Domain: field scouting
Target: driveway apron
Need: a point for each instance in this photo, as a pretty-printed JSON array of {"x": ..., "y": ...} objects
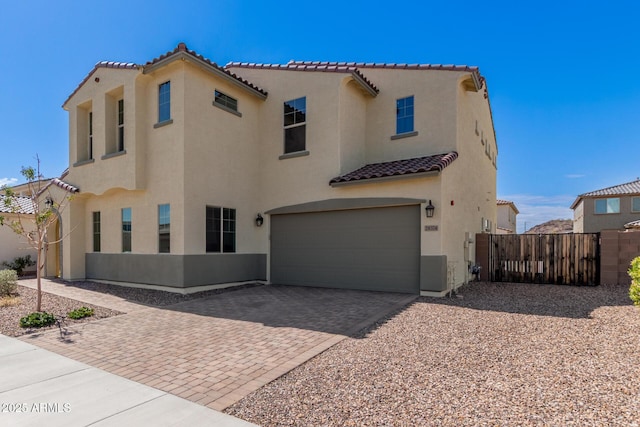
[{"x": 217, "y": 350}]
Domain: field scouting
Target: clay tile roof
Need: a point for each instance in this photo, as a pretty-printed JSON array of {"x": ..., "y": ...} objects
[
  {"x": 68, "y": 187},
  {"x": 632, "y": 224},
  {"x": 632, "y": 187},
  {"x": 21, "y": 205},
  {"x": 335, "y": 67},
  {"x": 500, "y": 202},
  {"x": 398, "y": 168},
  {"x": 182, "y": 48}
]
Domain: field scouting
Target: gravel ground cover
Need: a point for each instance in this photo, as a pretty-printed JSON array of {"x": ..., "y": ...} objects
[
  {"x": 500, "y": 354},
  {"x": 59, "y": 306}
]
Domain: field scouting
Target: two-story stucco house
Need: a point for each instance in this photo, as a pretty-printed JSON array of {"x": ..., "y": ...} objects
[
  {"x": 507, "y": 217},
  {"x": 609, "y": 208},
  {"x": 361, "y": 176}
]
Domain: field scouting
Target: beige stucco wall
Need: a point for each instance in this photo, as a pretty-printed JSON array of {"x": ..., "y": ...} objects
[
  {"x": 578, "y": 217},
  {"x": 506, "y": 219},
  {"x": 14, "y": 245}
]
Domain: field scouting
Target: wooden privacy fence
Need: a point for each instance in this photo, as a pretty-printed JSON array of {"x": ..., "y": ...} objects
[{"x": 563, "y": 259}]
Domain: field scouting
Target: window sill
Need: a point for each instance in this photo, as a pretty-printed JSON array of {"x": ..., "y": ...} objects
[
  {"x": 116, "y": 154},
  {"x": 160, "y": 124},
  {"x": 404, "y": 135},
  {"x": 294, "y": 154},
  {"x": 83, "y": 162},
  {"x": 227, "y": 109}
]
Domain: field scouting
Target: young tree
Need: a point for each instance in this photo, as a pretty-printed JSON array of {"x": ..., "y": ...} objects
[{"x": 33, "y": 215}]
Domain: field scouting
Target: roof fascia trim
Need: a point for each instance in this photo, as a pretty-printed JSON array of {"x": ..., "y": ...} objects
[{"x": 206, "y": 67}]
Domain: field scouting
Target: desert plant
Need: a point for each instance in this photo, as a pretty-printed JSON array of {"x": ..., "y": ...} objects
[
  {"x": 37, "y": 320},
  {"x": 20, "y": 263},
  {"x": 634, "y": 273},
  {"x": 81, "y": 312},
  {"x": 8, "y": 282}
]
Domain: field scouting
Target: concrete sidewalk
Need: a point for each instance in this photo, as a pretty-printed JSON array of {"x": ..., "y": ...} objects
[{"x": 38, "y": 387}]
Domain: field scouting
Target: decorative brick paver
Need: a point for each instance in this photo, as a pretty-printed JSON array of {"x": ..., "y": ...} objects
[{"x": 216, "y": 350}]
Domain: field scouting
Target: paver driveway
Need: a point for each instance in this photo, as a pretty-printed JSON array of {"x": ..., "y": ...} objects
[{"x": 216, "y": 350}]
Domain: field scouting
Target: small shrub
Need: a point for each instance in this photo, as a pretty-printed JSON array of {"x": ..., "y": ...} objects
[
  {"x": 80, "y": 313},
  {"x": 19, "y": 264},
  {"x": 9, "y": 301},
  {"x": 634, "y": 273},
  {"x": 8, "y": 282},
  {"x": 37, "y": 320}
]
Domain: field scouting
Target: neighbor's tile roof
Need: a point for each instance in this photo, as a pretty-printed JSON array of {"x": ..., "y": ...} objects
[
  {"x": 308, "y": 66},
  {"x": 23, "y": 205},
  {"x": 507, "y": 203},
  {"x": 398, "y": 168},
  {"x": 632, "y": 187},
  {"x": 628, "y": 188},
  {"x": 633, "y": 224}
]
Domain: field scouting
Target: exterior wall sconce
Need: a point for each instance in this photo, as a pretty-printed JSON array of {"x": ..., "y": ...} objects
[
  {"x": 429, "y": 210},
  {"x": 259, "y": 220},
  {"x": 48, "y": 202}
]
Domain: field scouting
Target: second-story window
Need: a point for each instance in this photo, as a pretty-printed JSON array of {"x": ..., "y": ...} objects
[
  {"x": 121, "y": 125},
  {"x": 90, "y": 139},
  {"x": 226, "y": 101},
  {"x": 164, "y": 102},
  {"x": 404, "y": 115},
  {"x": 295, "y": 119},
  {"x": 608, "y": 206}
]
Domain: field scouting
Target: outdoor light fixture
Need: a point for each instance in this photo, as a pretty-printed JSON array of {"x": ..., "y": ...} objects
[
  {"x": 430, "y": 209},
  {"x": 259, "y": 220},
  {"x": 48, "y": 202}
]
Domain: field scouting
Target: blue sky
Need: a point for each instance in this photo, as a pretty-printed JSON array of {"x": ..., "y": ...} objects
[{"x": 563, "y": 76}]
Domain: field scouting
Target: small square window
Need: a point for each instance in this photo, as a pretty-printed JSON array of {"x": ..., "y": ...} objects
[
  {"x": 635, "y": 204},
  {"x": 226, "y": 101}
]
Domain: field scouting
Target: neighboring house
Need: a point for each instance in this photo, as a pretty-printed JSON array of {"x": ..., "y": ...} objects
[
  {"x": 49, "y": 191},
  {"x": 607, "y": 209},
  {"x": 507, "y": 217},
  {"x": 307, "y": 173},
  {"x": 13, "y": 245}
]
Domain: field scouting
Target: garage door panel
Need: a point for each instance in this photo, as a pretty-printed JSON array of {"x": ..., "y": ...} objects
[{"x": 374, "y": 249}]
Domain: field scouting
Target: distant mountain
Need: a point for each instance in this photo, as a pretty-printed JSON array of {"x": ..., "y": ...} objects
[{"x": 555, "y": 226}]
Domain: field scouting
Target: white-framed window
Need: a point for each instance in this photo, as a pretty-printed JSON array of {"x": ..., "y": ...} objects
[
  {"x": 295, "y": 119},
  {"x": 607, "y": 206}
]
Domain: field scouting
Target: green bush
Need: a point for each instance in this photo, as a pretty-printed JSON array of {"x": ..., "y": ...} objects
[
  {"x": 19, "y": 264},
  {"x": 80, "y": 313},
  {"x": 37, "y": 320},
  {"x": 634, "y": 273},
  {"x": 8, "y": 282}
]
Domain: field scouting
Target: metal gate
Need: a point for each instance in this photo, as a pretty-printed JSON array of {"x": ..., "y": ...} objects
[{"x": 563, "y": 259}]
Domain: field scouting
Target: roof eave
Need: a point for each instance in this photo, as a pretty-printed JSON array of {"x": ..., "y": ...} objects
[
  {"x": 367, "y": 87},
  {"x": 185, "y": 56},
  {"x": 385, "y": 178}
]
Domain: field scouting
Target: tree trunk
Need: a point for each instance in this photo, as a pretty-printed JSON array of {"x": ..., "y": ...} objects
[{"x": 39, "y": 265}]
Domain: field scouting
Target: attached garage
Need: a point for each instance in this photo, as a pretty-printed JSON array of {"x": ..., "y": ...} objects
[{"x": 365, "y": 248}]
